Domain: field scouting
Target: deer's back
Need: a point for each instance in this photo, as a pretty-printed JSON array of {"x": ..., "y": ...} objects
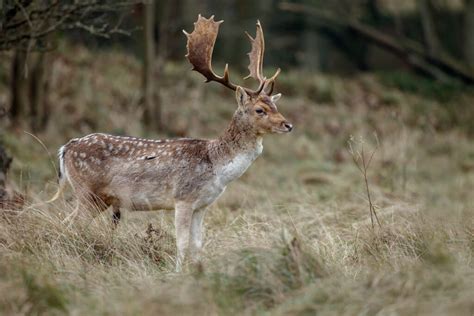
[{"x": 141, "y": 172}]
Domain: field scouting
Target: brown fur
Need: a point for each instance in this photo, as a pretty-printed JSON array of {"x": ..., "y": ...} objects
[{"x": 184, "y": 174}]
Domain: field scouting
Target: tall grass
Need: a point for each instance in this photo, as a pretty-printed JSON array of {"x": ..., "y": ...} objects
[
  {"x": 298, "y": 263},
  {"x": 292, "y": 236}
]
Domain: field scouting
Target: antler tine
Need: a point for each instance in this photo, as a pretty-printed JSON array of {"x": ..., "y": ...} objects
[
  {"x": 200, "y": 47},
  {"x": 272, "y": 81}
]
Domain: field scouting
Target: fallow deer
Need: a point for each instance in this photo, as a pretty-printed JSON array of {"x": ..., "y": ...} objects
[{"x": 185, "y": 174}]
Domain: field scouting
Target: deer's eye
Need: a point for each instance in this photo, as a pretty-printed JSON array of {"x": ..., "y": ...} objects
[{"x": 260, "y": 111}]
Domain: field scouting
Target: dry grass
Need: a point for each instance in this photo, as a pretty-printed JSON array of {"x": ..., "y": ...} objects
[{"x": 293, "y": 236}]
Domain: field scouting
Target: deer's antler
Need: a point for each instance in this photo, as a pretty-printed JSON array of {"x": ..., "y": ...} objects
[
  {"x": 201, "y": 45},
  {"x": 256, "y": 55},
  {"x": 256, "y": 59}
]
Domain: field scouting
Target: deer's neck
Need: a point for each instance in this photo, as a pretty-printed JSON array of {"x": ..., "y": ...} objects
[
  {"x": 238, "y": 138},
  {"x": 235, "y": 150}
]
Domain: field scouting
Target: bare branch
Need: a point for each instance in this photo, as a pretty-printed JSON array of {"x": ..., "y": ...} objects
[{"x": 28, "y": 21}]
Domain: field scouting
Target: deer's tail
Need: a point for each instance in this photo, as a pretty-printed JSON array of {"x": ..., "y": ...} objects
[{"x": 62, "y": 175}]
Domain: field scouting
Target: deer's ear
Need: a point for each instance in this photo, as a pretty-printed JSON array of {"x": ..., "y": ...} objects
[
  {"x": 241, "y": 96},
  {"x": 276, "y": 97}
]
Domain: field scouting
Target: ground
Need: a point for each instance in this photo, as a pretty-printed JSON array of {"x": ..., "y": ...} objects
[{"x": 293, "y": 236}]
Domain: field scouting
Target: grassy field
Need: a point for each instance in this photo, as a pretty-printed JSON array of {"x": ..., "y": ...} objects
[{"x": 293, "y": 236}]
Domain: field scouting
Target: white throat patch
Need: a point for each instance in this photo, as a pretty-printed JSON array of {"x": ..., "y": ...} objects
[{"x": 239, "y": 164}]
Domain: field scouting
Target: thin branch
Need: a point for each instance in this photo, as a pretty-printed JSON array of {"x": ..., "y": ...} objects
[
  {"x": 48, "y": 18},
  {"x": 23, "y": 10}
]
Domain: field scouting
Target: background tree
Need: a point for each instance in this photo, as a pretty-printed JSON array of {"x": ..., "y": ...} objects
[
  {"x": 469, "y": 33},
  {"x": 426, "y": 8},
  {"x": 429, "y": 60},
  {"x": 26, "y": 26},
  {"x": 5, "y": 162},
  {"x": 151, "y": 101}
]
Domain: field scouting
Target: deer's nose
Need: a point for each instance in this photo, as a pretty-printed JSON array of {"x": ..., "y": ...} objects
[{"x": 288, "y": 126}]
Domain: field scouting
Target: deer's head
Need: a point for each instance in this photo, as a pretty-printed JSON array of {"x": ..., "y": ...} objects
[{"x": 256, "y": 108}]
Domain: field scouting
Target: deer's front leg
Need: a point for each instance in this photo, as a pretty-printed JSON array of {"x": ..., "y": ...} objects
[
  {"x": 197, "y": 233},
  {"x": 182, "y": 221}
]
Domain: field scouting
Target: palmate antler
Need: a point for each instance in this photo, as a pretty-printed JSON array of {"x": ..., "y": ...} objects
[
  {"x": 201, "y": 45},
  {"x": 256, "y": 59}
]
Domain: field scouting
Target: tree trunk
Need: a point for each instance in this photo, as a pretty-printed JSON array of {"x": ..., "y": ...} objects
[
  {"x": 469, "y": 33},
  {"x": 311, "y": 47},
  {"x": 429, "y": 28},
  {"x": 5, "y": 162},
  {"x": 152, "y": 108},
  {"x": 18, "y": 86},
  {"x": 37, "y": 93},
  {"x": 8, "y": 199}
]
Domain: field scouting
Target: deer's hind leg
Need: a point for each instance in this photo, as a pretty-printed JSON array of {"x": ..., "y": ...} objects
[
  {"x": 103, "y": 202},
  {"x": 92, "y": 203},
  {"x": 97, "y": 204},
  {"x": 85, "y": 201}
]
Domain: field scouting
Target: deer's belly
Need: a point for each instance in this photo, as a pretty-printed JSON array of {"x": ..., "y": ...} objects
[
  {"x": 144, "y": 196},
  {"x": 150, "y": 203}
]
